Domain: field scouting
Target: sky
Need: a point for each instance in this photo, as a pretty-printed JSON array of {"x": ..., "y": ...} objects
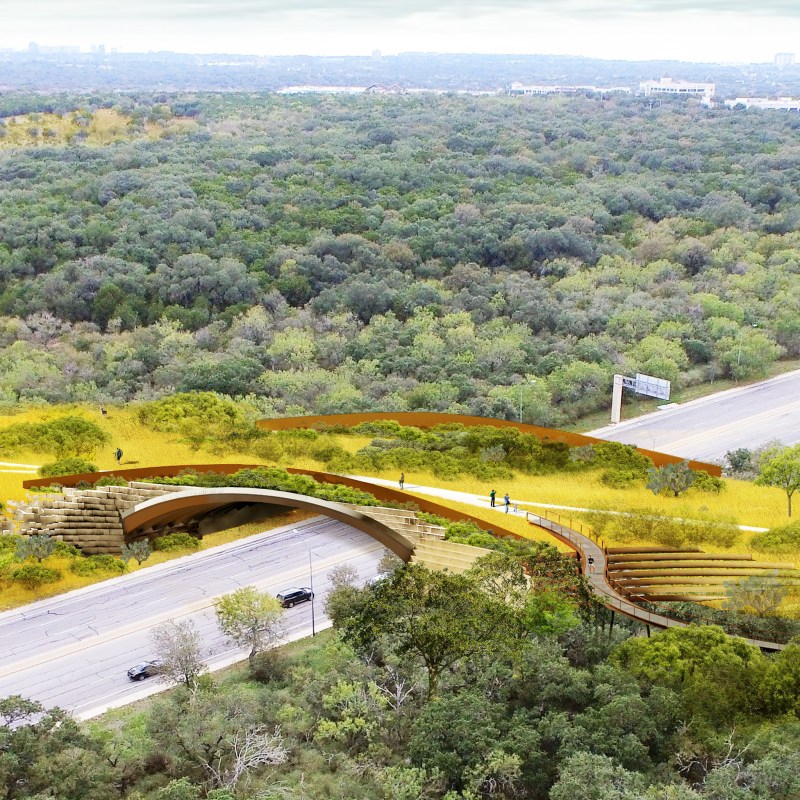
[{"x": 687, "y": 30}]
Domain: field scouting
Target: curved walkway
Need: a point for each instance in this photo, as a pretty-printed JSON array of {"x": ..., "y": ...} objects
[
  {"x": 583, "y": 545},
  {"x": 596, "y": 574}
]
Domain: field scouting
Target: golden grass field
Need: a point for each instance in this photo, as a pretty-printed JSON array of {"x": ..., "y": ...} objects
[
  {"x": 741, "y": 502},
  {"x": 100, "y": 127}
]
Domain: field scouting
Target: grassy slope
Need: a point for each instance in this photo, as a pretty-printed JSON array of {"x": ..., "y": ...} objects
[{"x": 741, "y": 502}]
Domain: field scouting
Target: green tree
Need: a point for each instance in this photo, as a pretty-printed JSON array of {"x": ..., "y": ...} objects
[
  {"x": 781, "y": 467},
  {"x": 39, "y": 546},
  {"x": 756, "y": 594},
  {"x": 250, "y": 618},
  {"x": 138, "y": 550},
  {"x": 216, "y": 740},
  {"x": 675, "y": 478},
  {"x": 438, "y": 618},
  {"x": 715, "y": 675}
]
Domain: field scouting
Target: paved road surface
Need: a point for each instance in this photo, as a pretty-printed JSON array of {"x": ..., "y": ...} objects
[
  {"x": 74, "y": 650},
  {"x": 707, "y": 428}
]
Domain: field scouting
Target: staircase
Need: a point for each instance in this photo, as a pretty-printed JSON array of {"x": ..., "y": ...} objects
[
  {"x": 446, "y": 556},
  {"x": 404, "y": 522}
]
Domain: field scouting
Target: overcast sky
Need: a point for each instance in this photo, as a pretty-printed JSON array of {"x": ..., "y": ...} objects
[{"x": 690, "y": 30}]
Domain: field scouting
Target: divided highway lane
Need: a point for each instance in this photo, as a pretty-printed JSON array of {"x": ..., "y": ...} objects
[
  {"x": 73, "y": 651},
  {"x": 707, "y": 428}
]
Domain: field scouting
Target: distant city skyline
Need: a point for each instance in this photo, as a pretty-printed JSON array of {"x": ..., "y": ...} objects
[{"x": 700, "y": 31}]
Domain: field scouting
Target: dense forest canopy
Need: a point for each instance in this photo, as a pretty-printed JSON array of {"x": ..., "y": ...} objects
[{"x": 492, "y": 255}]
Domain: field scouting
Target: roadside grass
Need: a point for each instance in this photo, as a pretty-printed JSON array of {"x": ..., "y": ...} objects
[
  {"x": 13, "y": 595},
  {"x": 740, "y": 503}
]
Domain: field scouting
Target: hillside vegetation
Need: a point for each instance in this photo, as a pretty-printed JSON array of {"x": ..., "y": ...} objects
[{"x": 494, "y": 255}]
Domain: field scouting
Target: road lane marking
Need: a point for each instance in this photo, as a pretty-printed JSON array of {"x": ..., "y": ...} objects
[{"x": 176, "y": 613}]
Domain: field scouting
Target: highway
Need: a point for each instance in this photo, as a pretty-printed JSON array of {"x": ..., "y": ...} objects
[
  {"x": 74, "y": 650},
  {"x": 707, "y": 428}
]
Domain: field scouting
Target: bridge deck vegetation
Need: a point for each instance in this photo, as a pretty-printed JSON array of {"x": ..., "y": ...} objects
[{"x": 166, "y": 432}]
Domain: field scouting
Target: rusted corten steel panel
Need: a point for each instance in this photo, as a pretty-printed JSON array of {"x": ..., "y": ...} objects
[
  {"x": 380, "y": 492},
  {"x": 426, "y": 419},
  {"x": 138, "y": 474}
]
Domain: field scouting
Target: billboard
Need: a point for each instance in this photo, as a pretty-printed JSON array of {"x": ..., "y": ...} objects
[{"x": 650, "y": 386}]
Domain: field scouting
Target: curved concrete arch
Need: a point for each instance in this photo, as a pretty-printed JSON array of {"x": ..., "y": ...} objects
[{"x": 193, "y": 503}]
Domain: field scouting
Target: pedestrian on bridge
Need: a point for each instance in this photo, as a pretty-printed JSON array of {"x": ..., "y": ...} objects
[
  {"x": 507, "y": 501},
  {"x": 492, "y": 496}
]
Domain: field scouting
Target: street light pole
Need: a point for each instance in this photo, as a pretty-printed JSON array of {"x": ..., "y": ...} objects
[
  {"x": 521, "y": 396},
  {"x": 311, "y": 586}
]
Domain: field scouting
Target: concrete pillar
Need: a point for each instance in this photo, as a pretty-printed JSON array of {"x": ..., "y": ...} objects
[{"x": 616, "y": 400}]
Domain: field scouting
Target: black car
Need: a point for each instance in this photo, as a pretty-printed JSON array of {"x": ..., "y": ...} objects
[
  {"x": 144, "y": 670},
  {"x": 291, "y": 597}
]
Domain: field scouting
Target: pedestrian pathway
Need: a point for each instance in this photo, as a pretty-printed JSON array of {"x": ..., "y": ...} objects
[
  {"x": 588, "y": 550},
  {"x": 516, "y": 505}
]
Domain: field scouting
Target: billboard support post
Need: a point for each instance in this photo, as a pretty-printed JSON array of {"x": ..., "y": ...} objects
[{"x": 641, "y": 384}]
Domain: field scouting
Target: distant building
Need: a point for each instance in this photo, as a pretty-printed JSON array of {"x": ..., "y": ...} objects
[
  {"x": 773, "y": 103},
  {"x": 380, "y": 88},
  {"x": 784, "y": 59},
  {"x": 534, "y": 89},
  {"x": 322, "y": 90},
  {"x": 705, "y": 91}
]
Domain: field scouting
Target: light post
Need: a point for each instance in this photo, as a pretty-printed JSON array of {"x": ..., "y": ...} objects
[
  {"x": 531, "y": 382},
  {"x": 311, "y": 586}
]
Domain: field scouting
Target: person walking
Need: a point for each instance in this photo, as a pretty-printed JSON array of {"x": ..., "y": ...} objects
[
  {"x": 492, "y": 496},
  {"x": 402, "y": 479},
  {"x": 118, "y": 455},
  {"x": 507, "y": 501}
]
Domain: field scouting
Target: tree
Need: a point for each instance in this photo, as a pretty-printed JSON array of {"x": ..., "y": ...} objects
[
  {"x": 177, "y": 647},
  {"x": 439, "y": 618},
  {"x": 755, "y": 594},
  {"x": 781, "y": 467},
  {"x": 139, "y": 550},
  {"x": 251, "y": 619},
  {"x": 714, "y": 674},
  {"x": 38, "y": 546},
  {"x": 675, "y": 478}
]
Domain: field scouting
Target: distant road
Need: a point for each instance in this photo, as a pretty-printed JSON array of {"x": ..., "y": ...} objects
[
  {"x": 707, "y": 428},
  {"x": 74, "y": 650}
]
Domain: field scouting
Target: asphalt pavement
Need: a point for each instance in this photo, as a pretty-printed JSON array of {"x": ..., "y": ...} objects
[
  {"x": 707, "y": 428},
  {"x": 74, "y": 650}
]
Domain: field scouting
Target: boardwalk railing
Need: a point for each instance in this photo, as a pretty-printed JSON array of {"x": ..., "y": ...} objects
[{"x": 614, "y": 595}]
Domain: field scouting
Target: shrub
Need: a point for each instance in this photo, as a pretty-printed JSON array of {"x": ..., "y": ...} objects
[
  {"x": 176, "y": 541},
  {"x": 9, "y": 542},
  {"x": 783, "y": 539},
  {"x": 66, "y": 550},
  {"x": 201, "y": 410},
  {"x": 110, "y": 480},
  {"x": 91, "y": 565},
  {"x": 707, "y": 483},
  {"x": 618, "y": 456},
  {"x": 39, "y": 546},
  {"x": 62, "y": 437},
  {"x": 620, "y": 478},
  {"x": 140, "y": 550},
  {"x": 32, "y": 576},
  {"x": 67, "y": 466}
]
